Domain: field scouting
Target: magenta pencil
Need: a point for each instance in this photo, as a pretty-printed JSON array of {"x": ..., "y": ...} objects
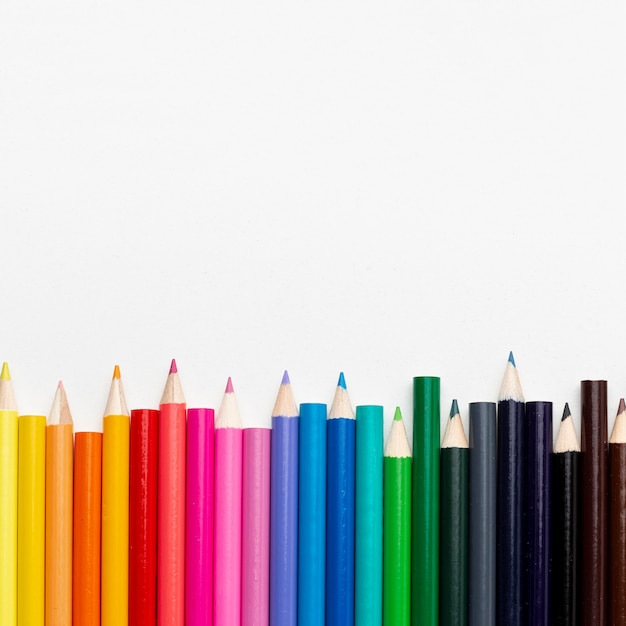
[
  {"x": 199, "y": 518},
  {"x": 227, "y": 538},
  {"x": 255, "y": 536}
]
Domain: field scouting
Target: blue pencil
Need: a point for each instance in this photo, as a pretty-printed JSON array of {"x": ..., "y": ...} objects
[
  {"x": 340, "y": 510},
  {"x": 284, "y": 509},
  {"x": 312, "y": 515}
]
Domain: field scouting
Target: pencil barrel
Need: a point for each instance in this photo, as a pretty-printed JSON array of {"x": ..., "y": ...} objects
[{"x": 617, "y": 534}]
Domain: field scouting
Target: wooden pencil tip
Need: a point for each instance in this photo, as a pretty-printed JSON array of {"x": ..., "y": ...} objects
[
  {"x": 5, "y": 375},
  {"x": 342, "y": 381},
  {"x": 566, "y": 412},
  {"x": 622, "y": 406},
  {"x": 285, "y": 380},
  {"x": 511, "y": 359},
  {"x": 454, "y": 409},
  {"x": 173, "y": 368},
  {"x": 397, "y": 416},
  {"x": 60, "y": 385},
  {"x": 229, "y": 386},
  {"x": 116, "y": 372}
]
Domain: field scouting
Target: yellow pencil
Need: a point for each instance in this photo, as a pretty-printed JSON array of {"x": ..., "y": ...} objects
[
  {"x": 115, "y": 468},
  {"x": 31, "y": 520},
  {"x": 8, "y": 500}
]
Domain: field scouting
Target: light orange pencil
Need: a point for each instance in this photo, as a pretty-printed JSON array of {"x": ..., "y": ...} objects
[
  {"x": 59, "y": 501},
  {"x": 115, "y": 470},
  {"x": 87, "y": 505}
]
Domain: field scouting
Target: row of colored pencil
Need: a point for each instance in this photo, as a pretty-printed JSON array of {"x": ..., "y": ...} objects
[{"x": 181, "y": 516}]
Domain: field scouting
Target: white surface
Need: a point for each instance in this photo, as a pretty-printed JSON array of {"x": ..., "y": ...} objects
[{"x": 389, "y": 189}]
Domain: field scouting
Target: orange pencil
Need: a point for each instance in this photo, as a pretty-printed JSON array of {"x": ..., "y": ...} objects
[
  {"x": 59, "y": 502},
  {"x": 87, "y": 492}
]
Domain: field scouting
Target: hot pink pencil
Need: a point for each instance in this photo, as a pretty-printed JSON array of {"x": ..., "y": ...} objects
[
  {"x": 199, "y": 518},
  {"x": 255, "y": 536},
  {"x": 227, "y": 540},
  {"x": 171, "y": 504}
]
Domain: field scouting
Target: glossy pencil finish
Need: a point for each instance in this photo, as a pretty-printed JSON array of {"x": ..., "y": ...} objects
[
  {"x": 340, "y": 500},
  {"x": 87, "y": 527},
  {"x": 537, "y": 501},
  {"x": 142, "y": 572},
  {"x": 482, "y": 514},
  {"x": 617, "y": 522},
  {"x": 509, "y": 509},
  {"x": 425, "y": 515},
  {"x": 255, "y": 527},
  {"x": 115, "y": 468},
  {"x": 8, "y": 500},
  {"x": 31, "y": 518},
  {"x": 368, "y": 580},
  {"x": 284, "y": 509},
  {"x": 594, "y": 502},
  {"x": 453, "y": 599},
  {"x": 566, "y": 525},
  {"x": 171, "y": 504},
  {"x": 312, "y": 514},
  {"x": 199, "y": 518},
  {"x": 397, "y": 526}
]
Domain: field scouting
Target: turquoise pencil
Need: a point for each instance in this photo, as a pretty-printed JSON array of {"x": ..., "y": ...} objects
[{"x": 368, "y": 596}]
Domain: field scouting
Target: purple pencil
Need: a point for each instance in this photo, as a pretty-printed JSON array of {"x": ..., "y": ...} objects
[{"x": 284, "y": 509}]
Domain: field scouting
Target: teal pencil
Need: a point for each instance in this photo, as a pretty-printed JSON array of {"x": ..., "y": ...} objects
[{"x": 368, "y": 600}]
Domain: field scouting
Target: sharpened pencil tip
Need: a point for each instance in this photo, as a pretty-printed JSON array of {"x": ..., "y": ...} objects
[
  {"x": 511, "y": 359},
  {"x": 342, "y": 381},
  {"x": 622, "y": 406},
  {"x": 397, "y": 416},
  {"x": 116, "y": 372},
  {"x": 229, "y": 386},
  {"x": 5, "y": 375},
  {"x": 566, "y": 412},
  {"x": 286, "y": 380},
  {"x": 454, "y": 409},
  {"x": 173, "y": 368},
  {"x": 60, "y": 385}
]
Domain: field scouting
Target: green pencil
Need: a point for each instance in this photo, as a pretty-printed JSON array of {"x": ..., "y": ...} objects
[
  {"x": 425, "y": 520},
  {"x": 454, "y": 516},
  {"x": 397, "y": 526}
]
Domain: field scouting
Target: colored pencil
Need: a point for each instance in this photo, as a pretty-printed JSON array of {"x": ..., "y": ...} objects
[
  {"x": 8, "y": 499},
  {"x": 509, "y": 509},
  {"x": 171, "y": 503},
  {"x": 199, "y": 518},
  {"x": 312, "y": 515},
  {"x": 565, "y": 524},
  {"x": 255, "y": 527},
  {"x": 454, "y": 523},
  {"x": 594, "y": 502},
  {"x": 284, "y": 509},
  {"x": 59, "y": 511},
  {"x": 368, "y": 579},
  {"x": 482, "y": 514},
  {"x": 425, "y": 516},
  {"x": 142, "y": 561},
  {"x": 87, "y": 527},
  {"x": 340, "y": 500},
  {"x": 115, "y": 468},
  {"x": 31, "y": 520},
  {"x": 617, "y": 522},
  {"x": 228, "y": 485},
  {"x": 397, "y": 526},
  {"x": 537, "y": 501}
]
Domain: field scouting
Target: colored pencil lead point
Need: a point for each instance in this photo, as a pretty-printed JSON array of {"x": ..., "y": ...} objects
[
  {"x": 622, "y": 406},
  {"x": 397, "y": 416},
  {"x": 566, "y": 412},
  {"x": 454, "y": 409},
  {"x": 285, "y": 380},
  {"x": 342, "y": 381},
  {"x": 116, "y": 372},
  {"x": 173, "y": 368},
  {"x": 229, "y": 386},
  {"x": 5, "y": 372},
  {"x": 511, "y": 359},
  {"x": 60, "y": 385}
]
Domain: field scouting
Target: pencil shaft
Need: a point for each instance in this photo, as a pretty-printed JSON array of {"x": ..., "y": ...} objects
[
  {"x": 340, "y": 522},
  {"x": 425, "y": 516},
  {"x": 617, "y": 534},
  {"x": 454, "y": 538}
]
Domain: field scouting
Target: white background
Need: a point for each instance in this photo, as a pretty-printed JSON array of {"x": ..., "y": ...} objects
[{"x": 385, "y": 188}]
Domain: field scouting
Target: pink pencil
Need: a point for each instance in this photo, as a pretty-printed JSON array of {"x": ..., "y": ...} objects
[
  {"x": 255, "y": 536},
  {"x": 199, "y": 518},
  {"x": 227, "y": 539},
  {"x": 171, "y": 504}
]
